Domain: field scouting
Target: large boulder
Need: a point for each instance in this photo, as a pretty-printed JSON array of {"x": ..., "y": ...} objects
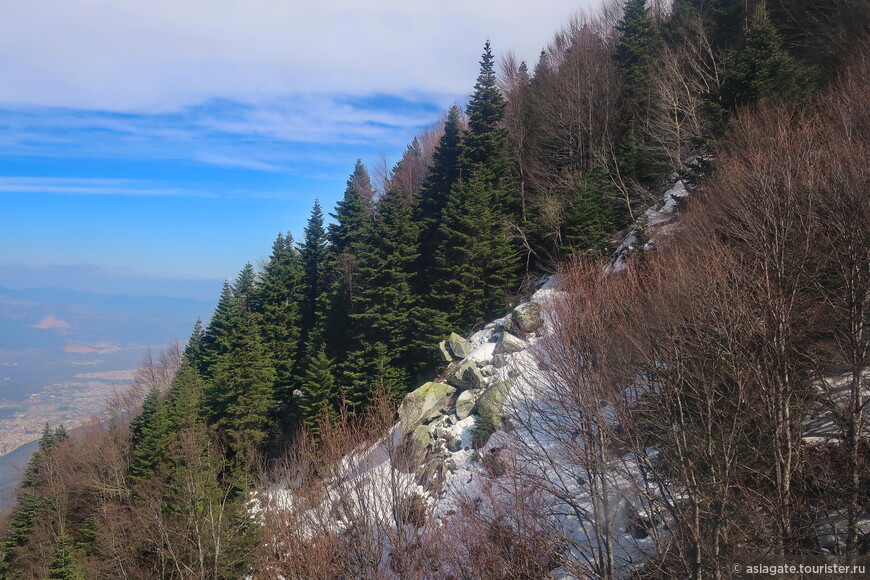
[
  {"x": 465, "y": 404},
  {"x": 491, "y": 403},
  {"x": 445, "y": 354},
  {"x": 460, "y": 347},
  {"x": 424, "y": 404},
  {"x": 526, "y": 318},
  {"x": 414, "y": 449},
  {"x": 466, "y": 376},
  {"x": 510, "y": 344}
]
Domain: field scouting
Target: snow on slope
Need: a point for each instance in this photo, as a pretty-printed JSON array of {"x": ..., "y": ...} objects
[{"x": 532, "y": 465}]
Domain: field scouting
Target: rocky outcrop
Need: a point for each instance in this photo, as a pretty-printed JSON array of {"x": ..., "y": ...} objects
[
  {"x": 465, "y": 404},
  {"x": 460, "y": 347},
  {"x": 526, "y": 319},
  {"x": 466, "y": 376},
  {"x": 445, "y": 354},
  {"x": 491, "y": 403},
  {"x": 414, "y": 449},
  {"x": 424, "y": 404},
  {"x": 509, "y": 344}
]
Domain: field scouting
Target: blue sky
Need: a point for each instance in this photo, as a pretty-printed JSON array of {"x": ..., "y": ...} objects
[{"x": 173, "y": 140}]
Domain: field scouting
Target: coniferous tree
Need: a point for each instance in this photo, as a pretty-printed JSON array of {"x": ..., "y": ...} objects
[
  {"x": 320, "y": 392},
  {"x": 240, "y": 398},
  {"x": 725, "y": 18},
  {"x": 345, "y": 236},
  {"x": 476, "y": 263},
  {"x": 762, "y": 68},
  {"x": 443, "y": 175},
  {"x": 485, "y": 148},
  {"x": 186, "y": 398},
  {"x": 384, "y": 307},
  {"x": 193, "y": 351},
  {"x": 63, "y": 565},
  {"x": 151, "y": 433},
  {"x": 636, "y": 54},
  {"x": 279, "y": 295},
  {"x": 244, "y": 289},
  {"x": 215, "y": 340},
  {"x": 313, "y": 253}
]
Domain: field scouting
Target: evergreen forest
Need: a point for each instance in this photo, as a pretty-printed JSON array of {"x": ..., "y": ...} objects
[{"x": 760, "y": 107}]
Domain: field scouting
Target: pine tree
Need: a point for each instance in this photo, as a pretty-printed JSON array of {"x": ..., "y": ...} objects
[
  {"x": 186, "y": 398},
  {"x": 352, "y": 212},
  {"x": 485, "y": 148},
  {"x": 313, "y": 254},
  {"x": 476, "y": 263},
  {"x": 215, "y": 340},
  {"x": 63, "y": 564},
  {"x": 385, "y": 302},
  {"x": 244, "y": 290},
  {"x": 351, "y": 216},
  {"x": 239, "y": 397},
  {"x": 320, "y": 392},
  {"x": 278, "y": 296},
  {"x": 193, "y": 351},
  {"x": 151, "y": 433},
  {"x": 432, "y": 199},
  {"x": 762, "y": 68},
  {"x": 636, "y": 54}
]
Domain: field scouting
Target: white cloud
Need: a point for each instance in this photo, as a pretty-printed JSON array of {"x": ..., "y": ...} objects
[
  {"x": 164, "y": 54},
  {"x": 50, "y": 322},
  {"x": 90, "y": 186}
]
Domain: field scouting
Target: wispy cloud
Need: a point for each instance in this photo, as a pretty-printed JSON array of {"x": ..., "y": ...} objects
[
  {"x": 164, "y": 55},
  {"x": 50, "y": 322},
  {"x": 87, "y": 186},
  {"x": 281, "y": 134}
]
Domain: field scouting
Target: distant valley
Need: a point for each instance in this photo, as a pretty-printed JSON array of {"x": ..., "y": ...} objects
[{"x": 63, "y": 353}]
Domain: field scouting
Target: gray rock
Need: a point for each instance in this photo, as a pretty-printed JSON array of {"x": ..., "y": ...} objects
[
  {"x": 466, "y": 376},
  {"x": 491, "y": 403},
  {"x": 460, "y": 347},
  {"x": 453, "y": 445},
  {"x": 499, "y": 361},
  {"x": 527, "y": 318},
  {"x": 510, "y": 344},
  {"x": 431, "y": 475},
  {"x": 445, "y": 354},
  {"x": 414, "y": 449},
  {"x": 465, "y": 404},
  {"x": 424, "y": 404}
]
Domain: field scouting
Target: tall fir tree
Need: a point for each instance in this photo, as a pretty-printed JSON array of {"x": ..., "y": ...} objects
[
  {"x": 476, "y": 264},
  {"x": 320, "y": 392},
  {"x": 193, "y": 350},
  {"x": 279, "y": 296},
  {"x": 762, "y": 69},
  {"x": 215, "y": 341},
  {"x": 313, "y": 253},
  {"x": 352, "y": 214},
  {"x": 63, "y": 565},
  {"x": 636, "y": 54},
  {"x": 151, "y": 433},
  {"x": 485, "y": 148},
  {"x": 383, "y": 308},
  {"x": 443, "y": 175},
  {"x": 240, "y": 396},
  {"x": 244, "y": 289}
]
